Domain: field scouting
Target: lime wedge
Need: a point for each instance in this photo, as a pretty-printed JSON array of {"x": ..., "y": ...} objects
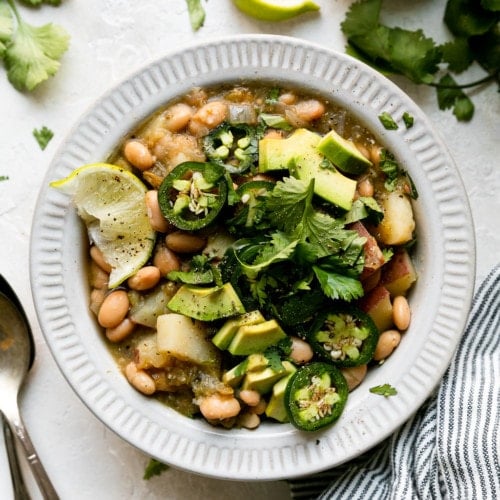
[
  {"x": 275, "y": 10},
  {"x": 111, "y": 202}
]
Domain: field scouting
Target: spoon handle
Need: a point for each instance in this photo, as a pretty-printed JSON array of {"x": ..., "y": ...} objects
[
  {"x": 20, "y": 490},
  {"x": 47, "y": 489}
]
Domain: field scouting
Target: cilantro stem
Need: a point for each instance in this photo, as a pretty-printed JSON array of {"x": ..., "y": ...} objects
[
  {"x": 487, "y": 78},
  {"x": 13, "y": 7}
]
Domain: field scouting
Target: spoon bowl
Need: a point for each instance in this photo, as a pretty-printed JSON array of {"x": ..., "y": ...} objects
[{"x": 16, "y": 356}]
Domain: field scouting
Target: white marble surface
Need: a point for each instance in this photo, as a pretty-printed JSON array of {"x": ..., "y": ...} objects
[{"x": 111, "y": 39}]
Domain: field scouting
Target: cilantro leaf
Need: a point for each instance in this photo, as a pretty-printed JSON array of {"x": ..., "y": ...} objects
[
  {"x": 364, "y": 208},
  {"x": 449, "y": 96},
  {"x": 196, "y": 14},
  {"x": 361, "y": 18},
  {"x": 43, "y": 136},
  {"x": 457, "y": 54},
  {"x": 36, "y": 3},
  {"x": 338, "y": 286},
  {"x": 387, "y": 121},
  {"x": 414, "y": 55},
  {"x": 4, "y": 177},
  {"x": 6, "y": 26},
  {"x": 154, "y": 468},
  {"x": 467, "y": 18},
  {"x": 33, "y": 54},
  {"x": 273, "y": 96},
  {"x": 390, "y": 167},
  {"x": 288, "y": 201},
  {"x": 408, "y": 120},
  {"x": 385, "y": 390}
]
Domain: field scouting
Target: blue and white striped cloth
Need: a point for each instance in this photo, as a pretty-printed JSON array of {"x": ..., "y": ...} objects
[{"x": 450, "y": 448}]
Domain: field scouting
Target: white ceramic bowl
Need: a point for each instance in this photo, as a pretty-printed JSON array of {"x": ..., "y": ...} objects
[{"x": 440, "y": 300}]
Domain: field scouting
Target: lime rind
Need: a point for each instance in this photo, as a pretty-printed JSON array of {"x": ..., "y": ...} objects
[
  {"x": 275, "y": 10},
  {"x": 111, "y": 202}
]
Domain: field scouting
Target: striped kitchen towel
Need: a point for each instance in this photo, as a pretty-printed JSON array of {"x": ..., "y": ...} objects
[{"x": 450, "y": 448}]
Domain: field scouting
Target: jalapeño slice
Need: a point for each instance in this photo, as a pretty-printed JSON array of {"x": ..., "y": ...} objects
[
  {"x": 345, "y": 336},
  {"x": 315, "y": 396},
  {"x": 192, "y": 194}
]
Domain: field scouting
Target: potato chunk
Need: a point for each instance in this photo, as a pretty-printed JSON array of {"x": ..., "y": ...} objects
[
  {"x": 185, "y": 339},
  {"x": 398, "y": 223}
]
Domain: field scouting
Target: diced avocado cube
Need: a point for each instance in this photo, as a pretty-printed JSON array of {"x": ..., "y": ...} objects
[
  {"x": 343, "y": 153},
  {"x": 276, "y": 407},
  {"x": 250, "y": 339},
  {"x": 226, "y": 333},
  {"x": 263, "y": 380},
  {"x": 206, "y": 304}
]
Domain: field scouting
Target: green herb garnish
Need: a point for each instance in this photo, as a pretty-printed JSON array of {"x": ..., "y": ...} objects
[
  {"x": 388, "y": 121},
  {"x": 196, "y": 14},
  {"x": 385, "y": 390},
  {"x": 43, "y": 136},
  {"x": 154, "y": 468},
  {"x": 31, "y": 54},
  {"x": 394, "y": 50}
]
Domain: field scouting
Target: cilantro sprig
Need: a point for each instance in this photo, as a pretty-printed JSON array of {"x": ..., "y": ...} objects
[
  {"x": 30, "y": 54},
  {"x": 393, "y": 50}
]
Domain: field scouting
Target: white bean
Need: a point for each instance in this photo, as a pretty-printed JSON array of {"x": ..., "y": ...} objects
[
  {"x": 401, "y": 313},
  {"x": 138, "y": 154},
  {"x": 121, "y": 331},
  {"x": 249, "y": 397},
  {"x": 113, "y": 309},
  {"x": 218, "y": 407},
  {"x": 301, "y": 351},
  {"x": 147, "y": 277},
  {"x": 156, "y": 218},
  {"x": 177, "y": 116},
  {"x": 98, "y": 258},
  {"x": 140, "y": 379},
  {"x": 354, "y": 375},
  {"x": 387, "y": 342},
  {"x": 182, "y": 242}
]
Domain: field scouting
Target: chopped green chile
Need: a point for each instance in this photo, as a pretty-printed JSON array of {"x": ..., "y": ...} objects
[
  {"x": 192, "y": 194},
  {"x": 345, "y": 336},
  {"x": 315, "y": 396}
]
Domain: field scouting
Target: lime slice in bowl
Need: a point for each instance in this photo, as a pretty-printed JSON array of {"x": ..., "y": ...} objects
[
  {"x": 275, "y": 10},
  {"x": 111, "y": 202}
]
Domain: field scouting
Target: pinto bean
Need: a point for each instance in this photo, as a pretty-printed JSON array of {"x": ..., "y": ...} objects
[
  {"x": 177, "y": 116},
  {"x": 144, "y": 279},
  {"x": 365, "y": 187},
  {"x": 354, "y": 375},
  {"x": 138, "y": 154},
  {"x": 182, "y": 242},
  {"x": 387, "y": 342},
  {"x": 113, "y": 309},
  {"x": 401, "y": 313},
  {"x": 98, "y": 258},
  {"x": 301, "y": 351},
  {"x": 309, "y": 110},
  {"x": 249, "y": 420},
  {"x": 140, "y": 379},
  {"x": 249, "y": 397},
  {"x": 166, "y": 260},
  {"x": 121, "y": 331},
  {"x": 156, "y": 218},
  {"x": 218, "y": 407}
]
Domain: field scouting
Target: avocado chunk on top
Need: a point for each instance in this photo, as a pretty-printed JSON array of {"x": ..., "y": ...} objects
[
  {"x": 228, "y": 330},
  {"x": 343, "y": 153},
  {"x": 254, "y": 362},
  {"x": 300, "y": 155},
  {"x": 206, "y": 304},
  {"x": 250, "y": 339},
  {"x": 276, "y": 407}
]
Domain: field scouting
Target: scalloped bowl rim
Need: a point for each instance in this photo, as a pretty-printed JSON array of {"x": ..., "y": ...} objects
[{"x": 445, "y": 260}]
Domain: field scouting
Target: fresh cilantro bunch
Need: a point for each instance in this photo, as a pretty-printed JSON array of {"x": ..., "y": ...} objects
[
  {"x": 304, "y": 258},
  {"x": 30, "y": 54},
  {"x": 476, "y": 29}
]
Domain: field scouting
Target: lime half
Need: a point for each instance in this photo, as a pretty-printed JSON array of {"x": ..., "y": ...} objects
[
  {"x": 275, "y": 10},
  {"x": 111, "y": 202}
]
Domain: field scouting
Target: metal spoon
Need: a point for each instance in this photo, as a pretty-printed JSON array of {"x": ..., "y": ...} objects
[{"x": 16, "y": 354}]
